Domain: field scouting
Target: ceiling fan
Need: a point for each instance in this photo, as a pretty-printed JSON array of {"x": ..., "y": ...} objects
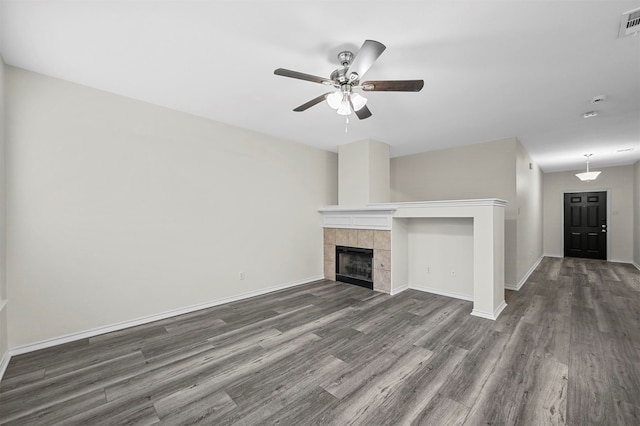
[{"x": 344, "y": 100}]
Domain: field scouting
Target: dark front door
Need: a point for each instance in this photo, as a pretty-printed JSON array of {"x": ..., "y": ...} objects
[{"x": 585, "y": 225}]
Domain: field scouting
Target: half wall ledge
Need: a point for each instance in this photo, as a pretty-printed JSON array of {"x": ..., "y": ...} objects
[{"x": 488, "y": 241}]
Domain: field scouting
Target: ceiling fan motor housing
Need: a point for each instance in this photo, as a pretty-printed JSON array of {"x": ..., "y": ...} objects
[
  {"x": 339, "y": 76},
  {"x": 345, "y": 58}
]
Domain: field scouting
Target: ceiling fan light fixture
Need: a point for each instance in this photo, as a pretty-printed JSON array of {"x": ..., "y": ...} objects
[
  {"x": 335, "y": 99},
  {"x": 345, "y": 108},
  {"x": 587, "y": 176},
  {"x": 358, "y": 101}
]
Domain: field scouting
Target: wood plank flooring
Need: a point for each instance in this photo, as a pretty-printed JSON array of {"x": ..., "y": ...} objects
[{"x": 566, "y": 350}]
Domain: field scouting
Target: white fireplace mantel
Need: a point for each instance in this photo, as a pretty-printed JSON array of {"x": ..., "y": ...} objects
[
  {"x": 488, "y": 240},
  {"x": 379, "y": 216},
  {"x": 370, "y": 217}
]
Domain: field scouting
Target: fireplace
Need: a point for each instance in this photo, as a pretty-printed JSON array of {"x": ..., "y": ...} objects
[{"x": 354, "y": 266}]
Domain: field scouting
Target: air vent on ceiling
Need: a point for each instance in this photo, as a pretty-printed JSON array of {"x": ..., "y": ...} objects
[{"x": 630, "y": 23}]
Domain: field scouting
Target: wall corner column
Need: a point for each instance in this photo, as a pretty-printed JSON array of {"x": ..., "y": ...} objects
[{"x": 488, "y": 262}]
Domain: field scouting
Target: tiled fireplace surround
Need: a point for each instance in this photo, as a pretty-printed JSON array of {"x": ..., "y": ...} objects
[{"x": 378, "y": 240}]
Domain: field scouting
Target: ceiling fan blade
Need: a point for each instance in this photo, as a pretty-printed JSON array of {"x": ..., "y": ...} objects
[
  {"x": 312, "y": 102},
  {"x": 363, "y": 113},
  {"x": 302, "y": 76},
  {"x": 393, "y": 85},
  {"x": 366, "y": 56}
]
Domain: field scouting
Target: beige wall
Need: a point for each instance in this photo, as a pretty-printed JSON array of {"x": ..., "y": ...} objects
[
  {"x": 636, "y": 238},
  {"x": 497, "y": 169},
  {"x": 483, "y": 170},
  {"x": 118, "y": 209},
  {"x": 529, "y": 212},
  {"x": 363, "y": 173},
  {"x": 353, "y": 173},
  {"x": 440, "y": 253},
  {"x": 619, "y": 182},
  {"x": 379, "y": 166},
  {"x": 3, "y": 287}
]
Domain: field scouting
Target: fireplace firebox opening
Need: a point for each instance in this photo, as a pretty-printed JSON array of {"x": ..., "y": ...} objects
[{"x": 354, "y": 266}]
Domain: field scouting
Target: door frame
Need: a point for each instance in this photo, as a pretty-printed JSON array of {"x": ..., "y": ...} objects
[{"x": 608, "y": 213}]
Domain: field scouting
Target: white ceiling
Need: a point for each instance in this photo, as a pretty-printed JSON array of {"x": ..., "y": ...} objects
[{"x": 492, "y": 69}]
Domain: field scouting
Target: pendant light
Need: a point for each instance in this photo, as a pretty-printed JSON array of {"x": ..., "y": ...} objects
[{"x": 587, "y": 176}]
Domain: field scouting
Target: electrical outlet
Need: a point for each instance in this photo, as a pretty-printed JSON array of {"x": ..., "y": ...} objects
[
  {"x": 241, "y": 275},
  {"x": 453, "y": 273}
]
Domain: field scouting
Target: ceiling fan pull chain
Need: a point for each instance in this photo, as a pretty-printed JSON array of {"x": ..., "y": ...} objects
[{"x": 346, "y": 124}]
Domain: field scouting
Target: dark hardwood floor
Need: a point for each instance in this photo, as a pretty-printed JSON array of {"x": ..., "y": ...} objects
[{"x": 566, "y": 350}]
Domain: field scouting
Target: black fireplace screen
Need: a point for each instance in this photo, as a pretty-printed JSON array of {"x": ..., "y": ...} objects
[{"x": 354, "y": 266}]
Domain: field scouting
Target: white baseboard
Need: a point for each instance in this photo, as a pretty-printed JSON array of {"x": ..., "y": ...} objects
[
  {"x": 399, "y": 289},
  {"x": 552, "y": 255},
  {"x": 629, "y": 262},
  {"x": 524, "y": 279},
  {"x": 441, "y": 292},
  {"x": 490, "y": 315},
  {"x": 621, "y": 261},
  {"x": 4, "y": 363},
  {"x": 150, "y": 318}
]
